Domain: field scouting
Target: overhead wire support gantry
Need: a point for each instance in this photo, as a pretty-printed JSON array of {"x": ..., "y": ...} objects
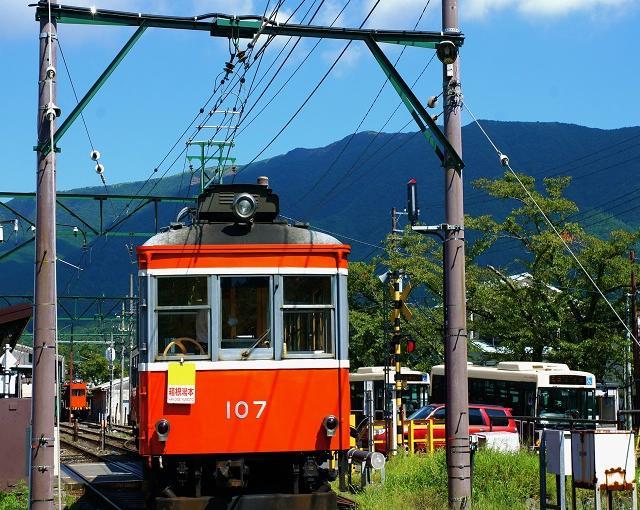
[
  {"x": 446, "y": 44},
  {"x": 249, "y": 26}
]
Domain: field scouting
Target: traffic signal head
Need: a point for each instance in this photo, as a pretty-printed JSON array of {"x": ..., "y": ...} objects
[{"x": 412, "y": 201}]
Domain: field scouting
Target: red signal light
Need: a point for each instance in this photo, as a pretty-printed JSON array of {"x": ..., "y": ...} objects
[{"x": 411, "y": 345}]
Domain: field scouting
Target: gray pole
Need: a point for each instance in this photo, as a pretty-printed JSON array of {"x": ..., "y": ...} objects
[
  {"x": 120, "y": 410},
  {"x": 111, "y": 367},
  {"x": 45, "y": 296},
  {"x": 457, "y": 419}
]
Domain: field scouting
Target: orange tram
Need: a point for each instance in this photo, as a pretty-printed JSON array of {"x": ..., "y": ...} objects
[
  {"x": 75, "y": 403},
  {"x": 240, "y": 378}
]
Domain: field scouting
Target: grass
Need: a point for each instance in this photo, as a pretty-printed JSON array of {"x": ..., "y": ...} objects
[
  {"x": 501, "y": 481},
  {"x": 15, "y": 499}
]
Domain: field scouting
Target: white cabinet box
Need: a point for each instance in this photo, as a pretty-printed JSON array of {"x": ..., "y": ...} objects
[{"x": 603, "y": 459}]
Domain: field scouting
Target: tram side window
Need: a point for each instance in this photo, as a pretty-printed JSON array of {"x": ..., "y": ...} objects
[
  {"x": 245, "y": 312},
  {"x": 308, "y": 315},
  {"x": 182, "y": 314}
]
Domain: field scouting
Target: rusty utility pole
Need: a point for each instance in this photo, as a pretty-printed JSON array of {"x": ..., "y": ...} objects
[
  {"x": 634, "y": 343},
  {"x": 457, "y": 418},
  {"x": 45, "y": 298}
]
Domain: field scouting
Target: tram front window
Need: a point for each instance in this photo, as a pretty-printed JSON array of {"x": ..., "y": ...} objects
[
  {"x": 245, "y": 312},
  {"x": 182, "y": 315},
  {"x": 576, "y": 403},
  {"x": 308, "y": 315}
]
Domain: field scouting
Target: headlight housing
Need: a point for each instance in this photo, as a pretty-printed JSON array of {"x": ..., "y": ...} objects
[{"x": 244, "y": 207}]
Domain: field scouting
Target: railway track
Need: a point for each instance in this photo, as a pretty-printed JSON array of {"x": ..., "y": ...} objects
[{"x": 89, "y": 441}]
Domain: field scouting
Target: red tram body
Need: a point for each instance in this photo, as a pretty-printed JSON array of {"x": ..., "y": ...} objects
[
  {"x": 74, "y": 400},
  {"x": 241, "y": 373}
]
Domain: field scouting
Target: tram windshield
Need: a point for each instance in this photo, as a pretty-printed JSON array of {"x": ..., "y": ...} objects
[
  {"x": 183, "y": 316},
  {"x": 245, "y": 312},
  {"x": 307, "y": 315}
]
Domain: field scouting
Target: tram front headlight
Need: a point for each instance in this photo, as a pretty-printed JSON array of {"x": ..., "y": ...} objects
[
  {"x": 162, "y": 428},
  {"x": 331, "y": 424},
  {"x": 244, "y": 206}
]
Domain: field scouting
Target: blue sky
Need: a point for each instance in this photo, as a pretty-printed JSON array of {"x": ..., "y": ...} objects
[{"x": 570, "y": 61}]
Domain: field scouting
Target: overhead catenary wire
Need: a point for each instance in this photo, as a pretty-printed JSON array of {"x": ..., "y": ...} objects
[
  {"x": 364, "y": 117},
  {"x": 504, "y": 161},
  {"x": 359, "y": 162},
  {"x": 288, "y": 80},
  {"x": 320, "y": 229},
  {"x": 218, "y": 88},
  {"x": 310, "y": 95}
]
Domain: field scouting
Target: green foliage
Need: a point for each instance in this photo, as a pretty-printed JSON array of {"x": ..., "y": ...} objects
[
  {"x": 501, "y": 481},
  {"x": 93, "y": 366},
  {"x": 16, "y": 499},
  {"x": 553, "y": 312}
]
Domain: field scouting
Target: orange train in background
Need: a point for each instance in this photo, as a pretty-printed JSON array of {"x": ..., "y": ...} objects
[
  {"x": 75, "y": 403},
  {"x": 240, "y": 378}
]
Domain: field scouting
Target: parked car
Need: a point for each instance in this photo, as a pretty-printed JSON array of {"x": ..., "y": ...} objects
[{"x": 482, "y": 418}]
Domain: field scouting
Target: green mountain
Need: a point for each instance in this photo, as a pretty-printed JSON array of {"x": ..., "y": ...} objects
[{"x": 348, "y": 189}]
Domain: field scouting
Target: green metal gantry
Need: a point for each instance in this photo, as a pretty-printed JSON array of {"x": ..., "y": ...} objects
[{"x": 248, "y": 27}]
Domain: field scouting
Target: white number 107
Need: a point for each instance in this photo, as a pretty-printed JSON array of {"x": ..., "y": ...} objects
[{"x": 241, "y": 409}]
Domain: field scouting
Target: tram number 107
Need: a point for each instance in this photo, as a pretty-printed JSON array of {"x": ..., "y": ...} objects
[{"x": 242, "y": 409}]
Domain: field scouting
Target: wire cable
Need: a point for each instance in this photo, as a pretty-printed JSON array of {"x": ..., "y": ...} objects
[
  {"x": 364, "y": 117},
  {"x": 504, "y": 161},
  {"x": 315, "y": 89}
]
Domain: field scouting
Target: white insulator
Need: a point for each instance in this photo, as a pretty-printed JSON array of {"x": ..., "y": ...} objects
[
  {"x": 99, "y": 168},
  {"x": 504, "y": 159},
  {"x": 94, "y": 155}
]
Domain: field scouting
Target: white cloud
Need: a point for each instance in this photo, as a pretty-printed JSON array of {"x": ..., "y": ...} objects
[
  {"x": 400, "y": 14},
  {"x": 19, "y": 19},
  {"x": 348, "y": 60},
  {"x": 542, "y": 8}
]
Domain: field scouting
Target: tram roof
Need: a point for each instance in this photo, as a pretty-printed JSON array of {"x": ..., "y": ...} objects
[{"x": 230, "y": 233}]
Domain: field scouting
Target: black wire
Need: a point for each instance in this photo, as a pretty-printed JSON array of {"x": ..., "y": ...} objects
[
  {"x": 375, "y": 99},
  {"x": 255, "y": 103},
  {"x": 470, "y": 198},
  {"x": 309, "y": 96},
  {"x": 73, "y": 88},
  {"x": 341, "y": 185}
]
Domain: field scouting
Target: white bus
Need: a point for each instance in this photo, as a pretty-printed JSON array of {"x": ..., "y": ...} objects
[
  {"x": 529, "y": 388},
  {"x": 415, "y": 391}
]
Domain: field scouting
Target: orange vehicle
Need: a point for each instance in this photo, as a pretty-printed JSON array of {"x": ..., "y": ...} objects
[
  {"x": 74, "y": 400},
  {"x": 241, "y": 377}
]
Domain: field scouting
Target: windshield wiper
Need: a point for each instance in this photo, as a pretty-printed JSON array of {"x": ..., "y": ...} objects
[{"x": 247, "y": 353}]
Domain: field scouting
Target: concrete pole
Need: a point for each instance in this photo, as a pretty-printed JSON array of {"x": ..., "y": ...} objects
[
  {"x": 45, "y": 295},
  {"x": 634, "y": 332},
  {"x": 111, "y": 368},
  {"x": 121, "y": 410},
  {"x": 457, "y": 418},
  {"x": 70, "y": 417}
]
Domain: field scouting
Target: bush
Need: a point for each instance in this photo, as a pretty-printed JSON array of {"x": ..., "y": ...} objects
[
  {"x": 501, "y": 481},
  {"x": 16, "y": 499}
]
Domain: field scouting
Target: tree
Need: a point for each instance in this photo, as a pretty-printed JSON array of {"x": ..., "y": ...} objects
[
  {"x": 554, "y": 311},
  {"x": 92, "y": 365},
  {"x": 551, "y": 311},
  {"x": 420, "y": 258}
]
